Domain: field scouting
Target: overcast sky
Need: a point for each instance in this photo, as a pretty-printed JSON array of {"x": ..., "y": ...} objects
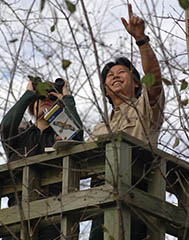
[
  {"x": 104, "y": 15},
  {"x": 112, "y": 10}
]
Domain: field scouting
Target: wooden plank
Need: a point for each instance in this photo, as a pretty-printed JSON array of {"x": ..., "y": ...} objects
[
  {"x": 30, "y": 183},
  {"x": 174, "y": 215},
  {"x": 56, "y": 205},
  {"x": 85, "y": 214},
  {"x": 117, "y": 173},
  {"x": 55, "y": 219},
  {"x": 183, "y": 199},
  {"x": 141, "y": 200},
  {"x": 70, "y": 183},
  {"x": 88, "y": 169},
  {"x": 122, "y": 136},
  {"x": 85, "y": 147},
  {"x": 187, "y": 31},
  {"x": 165, "y": 211},
  {"x": 88, "y": 147},
  {"x": 55, "y": 173},
  {"x": 71, "y": 176},
  {"x": 157, "y": 188},
  {"x": 118, "y": 164},
  {"x": 81, "y": 148}
]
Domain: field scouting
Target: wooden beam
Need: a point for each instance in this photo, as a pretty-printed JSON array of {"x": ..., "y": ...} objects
[
  {"x": 138, "y": 144},
  {"x": 61, "y": 204},
  {"x": 187, "y": 31},
  {"x": 102, "y": 196},
  {"x": 30, "y": 183},
  {"x": 86, "y": 170},
  {"x": 45, "y": 157},
  {"x": 183, "y": 200},
  {"x": 70, "y": 183},
  {"x": 85, "y": 148},
  {"x": 117, "y": 173},
  {"x": 157, "y": 188}
]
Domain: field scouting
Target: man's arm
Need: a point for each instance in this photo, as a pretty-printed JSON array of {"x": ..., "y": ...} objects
[{"x": 150, "y": 64}]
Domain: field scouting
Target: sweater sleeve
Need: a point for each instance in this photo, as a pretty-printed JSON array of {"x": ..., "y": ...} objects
[
  {"x": 71, "y": 111},
  {"x": 11, "y": 121}
]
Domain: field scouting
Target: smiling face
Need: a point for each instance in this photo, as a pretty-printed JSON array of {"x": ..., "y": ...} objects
[{"x": 119, "y": 82}]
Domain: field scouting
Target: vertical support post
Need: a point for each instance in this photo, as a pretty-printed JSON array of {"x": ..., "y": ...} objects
[
  {"x": 70, "y": 183},
  {"x": 187, "y": 30},
  {"x": 30, "y": 181},
  {"x": 117, "y": 220},
  {"x": 157, "y": 188},
  {"x": 183, "y": 201}
]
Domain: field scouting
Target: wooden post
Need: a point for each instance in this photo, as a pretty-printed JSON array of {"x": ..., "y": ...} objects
[
  {"x": 157, "y": 188},
  {"x": 183, "y": 201},
  {"x": 70, "y": 183},
  {"x": 117, "y": 220},
  {"x": 30, "y": 182},
  {"x": 187, "y": 31}
]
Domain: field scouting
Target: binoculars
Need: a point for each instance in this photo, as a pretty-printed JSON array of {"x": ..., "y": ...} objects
[
  {"x": 58, "y": 85},
  {"x": 55, "y": 87}
]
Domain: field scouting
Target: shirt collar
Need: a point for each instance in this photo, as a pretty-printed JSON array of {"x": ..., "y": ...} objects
[{"x": 127, "y": 103}]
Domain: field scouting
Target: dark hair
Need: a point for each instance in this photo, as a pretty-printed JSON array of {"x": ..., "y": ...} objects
[
  {"x": 125, "y": 62},
  {"x": 31, "y": 106}
]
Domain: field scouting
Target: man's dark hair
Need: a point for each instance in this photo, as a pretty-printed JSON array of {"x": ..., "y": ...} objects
[{"x": 125, "y": 62}]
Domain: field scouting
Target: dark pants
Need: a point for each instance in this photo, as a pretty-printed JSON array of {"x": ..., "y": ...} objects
[
  {"x": 138, "y": 229},
  {"x": 97, "y": 232}
]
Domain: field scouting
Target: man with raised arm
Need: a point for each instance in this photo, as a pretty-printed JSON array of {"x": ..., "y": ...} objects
[{"x": 137, "y": 108}]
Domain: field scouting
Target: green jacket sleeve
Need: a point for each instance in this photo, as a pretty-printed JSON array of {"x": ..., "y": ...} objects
[
  {"x": 71, "y": 110},
  {"x": 11, "y": 121}
]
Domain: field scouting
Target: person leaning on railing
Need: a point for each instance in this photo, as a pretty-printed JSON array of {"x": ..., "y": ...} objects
[
  {"x": 32, "y": 139},
  {"x": 137, "y": 108}
]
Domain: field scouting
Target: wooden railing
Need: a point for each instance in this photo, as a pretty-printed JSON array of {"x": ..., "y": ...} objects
[{"x": 133, "y": 196}]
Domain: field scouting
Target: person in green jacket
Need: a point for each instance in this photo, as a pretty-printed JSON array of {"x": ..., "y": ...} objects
[
  {"x": 23, "y": 140},
  {"x": 19, "y": 141}
]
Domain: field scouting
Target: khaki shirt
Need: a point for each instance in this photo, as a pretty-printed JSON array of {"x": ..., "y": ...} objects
[{"x": 136, "y": 118}]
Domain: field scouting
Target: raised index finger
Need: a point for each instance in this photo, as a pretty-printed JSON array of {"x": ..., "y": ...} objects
[{"x": 130, "y": 11}]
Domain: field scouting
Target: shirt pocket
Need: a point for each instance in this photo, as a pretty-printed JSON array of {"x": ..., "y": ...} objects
[{"x": 128, "y": 124}]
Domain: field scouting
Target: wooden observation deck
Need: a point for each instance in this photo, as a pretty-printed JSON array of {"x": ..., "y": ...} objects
[{"x": 137, "y": 178}]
